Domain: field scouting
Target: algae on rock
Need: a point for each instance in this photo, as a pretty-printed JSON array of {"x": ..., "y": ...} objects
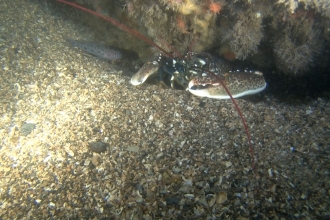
[{"x": 287, "y": 34}]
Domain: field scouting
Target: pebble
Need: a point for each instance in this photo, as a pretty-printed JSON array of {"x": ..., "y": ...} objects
[
  {"x": 159, "y": 155},
  {"x": 228, "y": 164},
  {"x": 273, "y": 188},
  {"x": 98, "y": 146},
  {"x": 157, "y": 98},
  {"x": 189, "y": 196},
  {"x": 203, "y": 202},
  {"x": 147, "y": 217},
  {"x": 96, "y": 160},
  {"x": 133, "y": 149},
  {"x": 51, "y": 205},
  {"x": 139, "y": 200},
  {"x": 222, "y": 197},
  {"x": 150, "y": 194},
  {"x": 87, "y": 162},
  {"x": 237, "y": 202},
  {"x": 172, "y": 200},
  {"x": 270, "y": 172},
  {"x": 185, "y": 189},
  {"x": 211, "y": 200},
  {"x": 37, "y": 201},
  {"x": 27, "y": 128},
  {"x": 176, "y": 170},
  {"x": 303, "y": 196}
]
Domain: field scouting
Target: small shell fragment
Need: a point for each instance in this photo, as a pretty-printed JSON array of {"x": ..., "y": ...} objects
[
  {"x": 273, "y": 188},
  {"x": 37, "y": 201},
  {"x": 159, "y": 155},
  {"x": 203, "y": 202},
  {"x": 303, "y": 196},
  {"x": 27, "y": 128},
  {"x": 139, "y": 200},
  {"x": 270, "y": 172},
  {"x": 222, "y": 197},
  {"x": 133, "y": 149},
  {"x": 96, "y": 160},
  {"x": 189, "y": 196},
  {"x": 228, "y": 164},
  {"x": 211, "y": 201},
  {"x": 87, "y": 162}
]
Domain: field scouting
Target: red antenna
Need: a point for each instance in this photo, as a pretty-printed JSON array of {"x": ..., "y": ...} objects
[{"x": 241, "y": 116}]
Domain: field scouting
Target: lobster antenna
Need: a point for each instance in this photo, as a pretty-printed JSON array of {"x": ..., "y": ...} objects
[
  {"x": 172, "y": 48},
  {"x": 241, "y": 116},
  {"x": 192, "y": 43},
  {"x": 116, "y": 23}
]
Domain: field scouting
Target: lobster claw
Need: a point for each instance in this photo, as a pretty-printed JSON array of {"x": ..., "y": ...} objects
[
  {"x": 238, "y": 83},
  {"x": 146, "y": 70}
]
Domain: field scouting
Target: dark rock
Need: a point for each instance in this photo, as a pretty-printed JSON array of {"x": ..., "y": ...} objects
[
  {"x": 27, "y": 128},
  {"x": 98, "y": 146},
  {"x": 173, "y": 200}
]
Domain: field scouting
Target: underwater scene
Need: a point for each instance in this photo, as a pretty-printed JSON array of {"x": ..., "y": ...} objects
[{"x": 165, "y": 109}]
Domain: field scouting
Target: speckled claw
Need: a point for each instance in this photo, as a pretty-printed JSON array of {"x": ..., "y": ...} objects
[
  {"x": 239, "y": 84},
  {"x": 146, "y": 70}
]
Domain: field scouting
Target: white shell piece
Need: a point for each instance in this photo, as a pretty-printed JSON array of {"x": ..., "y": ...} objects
[
  {"x": 258, "y": 73},
  {"x": 202, "y": 62}
]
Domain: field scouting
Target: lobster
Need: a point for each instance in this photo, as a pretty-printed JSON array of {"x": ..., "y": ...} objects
[
  {"x": 190, "y": 73},
  {"x": 200, "y": 73}
]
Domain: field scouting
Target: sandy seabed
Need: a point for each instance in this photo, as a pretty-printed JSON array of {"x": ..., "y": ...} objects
[{"x": 79, "y": 142}]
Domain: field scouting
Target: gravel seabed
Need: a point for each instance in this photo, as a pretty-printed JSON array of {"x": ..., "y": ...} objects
[{"x": 168, "y": 154}]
